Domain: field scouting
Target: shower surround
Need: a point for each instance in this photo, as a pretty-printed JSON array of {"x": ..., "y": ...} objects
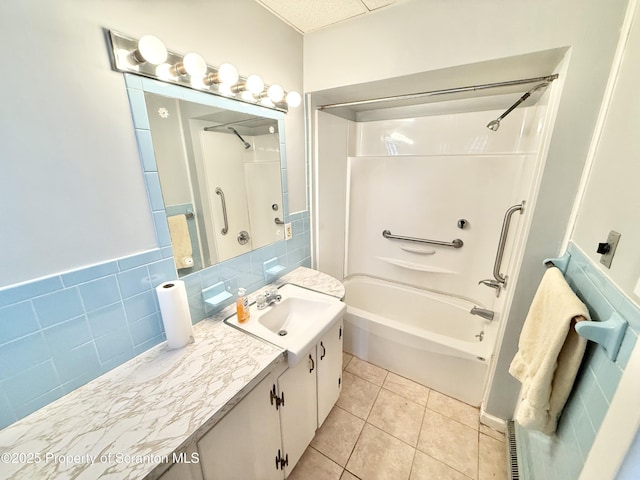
[{"x": 441, "y": 177}]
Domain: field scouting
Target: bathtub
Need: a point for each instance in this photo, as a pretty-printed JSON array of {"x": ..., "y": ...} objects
[{"x": 428, "y": 337}]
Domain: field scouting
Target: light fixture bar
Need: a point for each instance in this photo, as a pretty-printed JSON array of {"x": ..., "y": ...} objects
[{"x": 145, "y": 58}]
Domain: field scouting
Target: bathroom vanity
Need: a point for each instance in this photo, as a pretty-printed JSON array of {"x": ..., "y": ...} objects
[{"x": 228, "y": 406}]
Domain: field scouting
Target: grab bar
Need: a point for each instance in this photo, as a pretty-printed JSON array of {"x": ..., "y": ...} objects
[
  {"x": 455, "y": 243},
  {"x": 224, "y": 211},
  {"x": 503, "y": 240}
]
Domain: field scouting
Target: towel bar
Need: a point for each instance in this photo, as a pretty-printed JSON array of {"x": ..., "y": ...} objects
[
  {"x": 608, "y": 333},
  {"x": 560, "y": 262}
]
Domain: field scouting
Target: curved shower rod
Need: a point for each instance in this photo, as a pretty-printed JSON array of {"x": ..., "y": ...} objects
[{"x": 470, "y": 88}]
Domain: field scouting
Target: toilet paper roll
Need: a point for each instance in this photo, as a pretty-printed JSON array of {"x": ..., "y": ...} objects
[{"x": 174, "y": 309}]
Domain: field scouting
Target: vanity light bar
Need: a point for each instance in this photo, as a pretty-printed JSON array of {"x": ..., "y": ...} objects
[{"x": 149, "y": 57}]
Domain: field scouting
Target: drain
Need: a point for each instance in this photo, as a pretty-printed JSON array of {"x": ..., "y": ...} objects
[{"x": 282, "y": 333}]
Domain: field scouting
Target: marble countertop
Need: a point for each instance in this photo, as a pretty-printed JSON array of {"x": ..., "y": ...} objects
[{"x": 124, "y": 424}]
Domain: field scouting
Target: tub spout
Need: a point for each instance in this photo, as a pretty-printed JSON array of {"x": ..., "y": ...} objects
[{"x": 482, "y": 312}]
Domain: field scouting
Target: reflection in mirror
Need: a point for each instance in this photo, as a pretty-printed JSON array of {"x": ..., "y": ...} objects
[{"x": 220, "y": 177}]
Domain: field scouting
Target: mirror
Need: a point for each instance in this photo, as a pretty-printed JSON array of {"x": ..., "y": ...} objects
[{"x": 220, "y": 175}]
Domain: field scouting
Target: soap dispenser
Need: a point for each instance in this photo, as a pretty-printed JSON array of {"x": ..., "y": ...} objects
[{"x": 242, "y": 305}]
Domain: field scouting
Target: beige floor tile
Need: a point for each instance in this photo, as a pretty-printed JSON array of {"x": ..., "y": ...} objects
[
  {"x": 315, "y": 466},
  {"x": 338, "y": 435},
  {"x": 346, "y": 358},
  {"x": 450, "y": 442},
  {"x": 452, "y": 408},
  {"x": 493, "y": 459},
  {"x": 357, "y": 395},
  {"x": 428, "y": 468},
  {"x": 366, "y": 370},
  {"x": 397, "y": 416},
  {"x": 492, "y": 433},
  {"x": 402, "y": 386},
  {"x": 378, "y": 455},
  {"x": 348, "y": 476}
]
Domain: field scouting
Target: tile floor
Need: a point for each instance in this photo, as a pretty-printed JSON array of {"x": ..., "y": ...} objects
[{"x": 387, "y": 427}]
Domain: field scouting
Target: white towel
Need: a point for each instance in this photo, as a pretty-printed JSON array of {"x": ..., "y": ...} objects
[
  {"x": 549, "y": 353},
  {"x": 180, "y": 241}
]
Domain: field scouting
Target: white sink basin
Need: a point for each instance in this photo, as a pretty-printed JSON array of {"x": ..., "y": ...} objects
[{"x": 296, "y": 322}]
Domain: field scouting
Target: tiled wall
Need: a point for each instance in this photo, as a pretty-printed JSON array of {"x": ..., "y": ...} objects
[
  {"x": 562, "y": 458},
  {"x": 60, "y": 332}
]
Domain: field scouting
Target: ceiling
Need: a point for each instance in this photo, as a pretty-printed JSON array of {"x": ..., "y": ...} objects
[{"x": 309, "y": 15}]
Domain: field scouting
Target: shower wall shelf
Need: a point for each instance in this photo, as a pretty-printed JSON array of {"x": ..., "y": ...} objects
[
  {"x": 414, "y": 266},
  {"x": 607, "y": 333},
  {"x": 418, "y": 250}
]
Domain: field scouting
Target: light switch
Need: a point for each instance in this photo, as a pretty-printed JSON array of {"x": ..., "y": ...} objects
[
  {"x": 608, "y": 249},
  {"x": 637, "y": 289}
]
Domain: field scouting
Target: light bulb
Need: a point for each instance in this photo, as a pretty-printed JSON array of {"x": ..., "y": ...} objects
[
  {"x": 228, "y": 74},
  {"x": 225, "y": 89},
  {"x": 196, "y": 82},
  {"x": 126, "y": 59},
  {"x": 247, "y": 96},
  {"x": 150, "y": 49},
  {"x": 194, "y": 65},
  {"x": 163, "y": 72},
  {"x": 255, "y": 84},
  {"x": 275, "y": 93},
  {"x": 293, "y": 99},
  {"x": 266, "y": 101}
]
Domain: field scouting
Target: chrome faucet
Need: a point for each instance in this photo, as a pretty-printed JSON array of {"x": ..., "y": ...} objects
[
  {"x": 491, "y": 283},
  {"x": 482, "y": 312},
  {"x": 269, "y": 297}
]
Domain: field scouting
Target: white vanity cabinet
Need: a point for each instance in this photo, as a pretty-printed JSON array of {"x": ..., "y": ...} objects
[
  {"x": 298, "y": 412},
  {"x": 246, "y": 443},
  {"x": 329, "y": 375},
  {"x": 264, "y": 436}
]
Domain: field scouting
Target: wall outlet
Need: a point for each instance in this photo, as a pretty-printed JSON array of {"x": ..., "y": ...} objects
[
  {"x": 288, "y": 231},
  {"x": 637, "y": 289}
]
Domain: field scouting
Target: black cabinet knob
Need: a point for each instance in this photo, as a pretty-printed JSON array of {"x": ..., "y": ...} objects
[{"x": 603, "y": 248}]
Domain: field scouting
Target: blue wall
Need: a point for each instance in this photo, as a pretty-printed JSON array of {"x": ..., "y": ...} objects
[
  {"x": 562, "y": 458},
  {"x": 60, "y": 332}
]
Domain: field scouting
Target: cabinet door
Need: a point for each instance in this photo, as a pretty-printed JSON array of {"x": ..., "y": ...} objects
[
  {"x": 298, "y": 415},
  {"x": 245, "y": 443},
  {"x": 329, "y": 352}
]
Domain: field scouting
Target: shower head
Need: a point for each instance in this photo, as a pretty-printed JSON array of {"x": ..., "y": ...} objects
[
  {"x": 246, "y": 144},
  {"x": 494, "y": 125}
]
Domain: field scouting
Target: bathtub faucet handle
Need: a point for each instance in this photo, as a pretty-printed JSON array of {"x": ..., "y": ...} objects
[{"x": 490, "y": 282}]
